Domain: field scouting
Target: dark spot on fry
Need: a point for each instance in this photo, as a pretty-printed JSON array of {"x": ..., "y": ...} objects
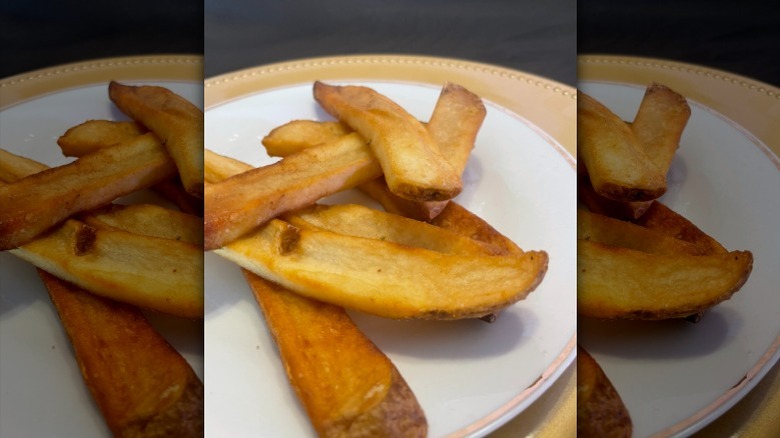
[
  {"x": 289, "y": 240},
  {"x": 85, "y": 240}
]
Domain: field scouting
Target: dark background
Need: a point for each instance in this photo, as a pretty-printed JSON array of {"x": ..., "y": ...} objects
[
  {"x": 741, "y": 37},
  {"x": 43, "y": 33},
  {"x": 538, "y": 37}
]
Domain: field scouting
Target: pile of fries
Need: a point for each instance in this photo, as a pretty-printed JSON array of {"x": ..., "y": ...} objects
[
  {"x": 423, "y": 257},
  {"x": 638, "y": 259},
  {"x": 104, "y": 264}
]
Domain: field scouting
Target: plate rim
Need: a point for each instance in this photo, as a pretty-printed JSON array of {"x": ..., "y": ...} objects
[
  {"x": 22, "y": 87},
  {"x": 727, "y": 93},
  {"x": 226, "y": 87}
]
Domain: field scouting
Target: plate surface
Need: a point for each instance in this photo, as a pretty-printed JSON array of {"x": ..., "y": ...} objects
[
  {"x": 41, "y": 389},
  {"x": 675, "y": 377},
  {"x": 470, "y": 377}
]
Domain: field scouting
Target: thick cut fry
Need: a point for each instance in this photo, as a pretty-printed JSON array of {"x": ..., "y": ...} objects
[
  {"x": 148, "y": 220},
  {"x": 354, "y": 272},
  {"x": 238, "y": 204},
  {"x": 15, "y": 167},
  {"x": 414, "y": 167},
  {"x": 296, "y": 135},
  {"x": 150, "y": 272},
  {"x": 663, "y": 219},
  {"x": 31, "y": 205},
  {"x": 142, "y": 386},
  {"x": 455, "y": 122},
  {"x": 600, "y": 410},
  {"x": 177, "y": 122},
  {"x": 360, "y": 221},
  {"x": 617, "y": 164},
  {"x": 219, "y": 167},
  {"x": 597, "y": 228},
  {"x": 659, "y": 124},
  {"x": 96, "y": 134},
  {"x": 348, "y": 387},
  {"x": 615, "y": 282}
]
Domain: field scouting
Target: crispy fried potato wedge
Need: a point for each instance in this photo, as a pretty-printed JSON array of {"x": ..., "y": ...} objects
[
  {"x": 360, "y": 221},
  {"x": 413, "y": 166},
  {"x": 177, "y": 122},
  {"x": 615, "y": 282},
  {"x": 142, "y": 385},
  {"x": 15, "y": 167},
  {"x": 597, "y": 228},
  {"x": 219, "y": 167},
  {"x": 616, "y": 163},
  {"x": 663, "y": 219},
  {"x": 238, "y": 204},
  {"x": 354, "y": 272},
  {"x": 150, "y": 272},
  {"x": 600, "y": 410},
  {"x": 346, "y": 384},
  {"x": 659, "y": 124},
  {"x": 148, "y": 220},
  {"x": 33, "y": 204},
  {"x": 455, "y": 122},
  {"x": 96, "y": 134},
  {"x": 297, "y": 135}
]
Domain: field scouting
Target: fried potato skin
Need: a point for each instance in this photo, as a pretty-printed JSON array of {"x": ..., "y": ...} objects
[
  {"x": 142, "y": 386},
  {"x": 413, "y": 166},
  {"x": 663, "y": 219},
  {"x": 614, "y": 282},
  {"x": 600, "y": 410},
  {"x": 176, "y": 121},
  {"x": 348, "y": 387},
  {"x": 31, "y": 205},
  {"x": 617, "y": 165}
]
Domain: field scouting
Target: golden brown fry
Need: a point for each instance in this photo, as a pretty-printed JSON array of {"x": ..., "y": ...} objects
[
  {"x": 219, "y": 167},
  {"x": 360, "y": 221},
  {"x": 96, "y": 134},
  {"x": 238, "y": 204},
  {"x": 600, "y": 410},
  {"x": 177, "y": 122},
  {"x": 296, "y": 135},
  {"x": 663, "y": 219},
  {"x": 617, "y": 164},
  {"x": 615, "y": 282},
  {"x": 455, "y": 122},
  {"x": 15, "y": 167},
  {"x": 597, "y": 228},
  {"x": 346, "y": 384},
  {"x": 148, "y": 220},
  {"x": 150, "y": 272},
  {"x": 142, "y": 386},
  {"x": 414, "y": 167},
  {"x": 659, "y": 124},
  {"x": 354, "y": 272},
  {"x": 31, "y": 205}
]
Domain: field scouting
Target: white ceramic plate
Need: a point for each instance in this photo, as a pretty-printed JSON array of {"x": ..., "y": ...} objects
[
  {"x": 674, "y": 376},
  {"x": 41, "y": 389},
  {"x": 470, "y": 377}
]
